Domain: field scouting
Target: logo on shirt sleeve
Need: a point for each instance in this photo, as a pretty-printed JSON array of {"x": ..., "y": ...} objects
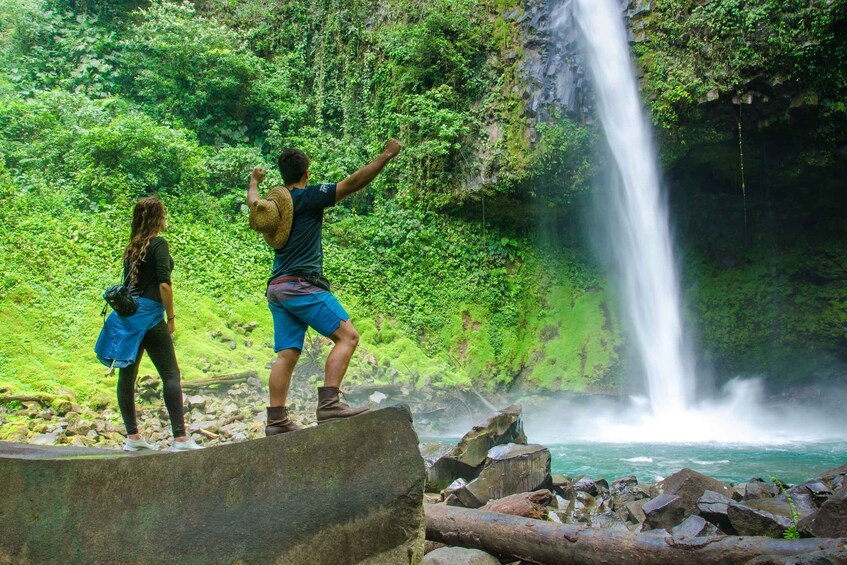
[{"x": 324, "y": 188}]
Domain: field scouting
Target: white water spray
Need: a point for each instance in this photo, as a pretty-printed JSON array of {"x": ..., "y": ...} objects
[{"x": 643, "y": 242}]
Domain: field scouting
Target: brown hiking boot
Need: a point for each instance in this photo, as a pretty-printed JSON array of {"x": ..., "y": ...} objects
[
  {"x": 331, "y": 408},
  {"x": 279, "y": 422}
]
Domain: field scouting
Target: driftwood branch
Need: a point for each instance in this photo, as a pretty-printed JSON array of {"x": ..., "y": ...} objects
[
  {"x": 208, "y": 434},
  {"x": 219, "y": 380},
  {"x": 44, "y": 399},
  {"x": 484, "y": 400},
  {"x": 543, "y": 542}
]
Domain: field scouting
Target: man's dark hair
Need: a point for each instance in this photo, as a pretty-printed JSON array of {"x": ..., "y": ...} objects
[{"x": 293, "y": 164}]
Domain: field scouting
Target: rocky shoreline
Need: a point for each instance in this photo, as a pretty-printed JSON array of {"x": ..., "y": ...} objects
[
  {"x": 493, "y": 468},
  {"x": 230, "y": 409}
]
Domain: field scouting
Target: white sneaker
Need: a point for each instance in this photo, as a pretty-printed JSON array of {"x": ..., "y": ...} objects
[
  {"x": 139, "y": 445},
  {"x": 189, "y": 445}
]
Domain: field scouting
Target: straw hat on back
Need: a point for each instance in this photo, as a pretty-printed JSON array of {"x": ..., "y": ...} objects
[{"x": 272, "y": 215}]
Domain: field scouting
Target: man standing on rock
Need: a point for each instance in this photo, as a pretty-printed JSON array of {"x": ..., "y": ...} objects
[{"x": 291, "y": 218}]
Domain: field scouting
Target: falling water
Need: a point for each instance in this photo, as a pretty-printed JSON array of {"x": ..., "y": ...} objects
[
  {"x": 638, "y": 226},
  {"x": 642, "y": 239}
]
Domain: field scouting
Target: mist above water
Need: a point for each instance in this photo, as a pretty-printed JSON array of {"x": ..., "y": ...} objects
[{"x": 738, "y": 415}]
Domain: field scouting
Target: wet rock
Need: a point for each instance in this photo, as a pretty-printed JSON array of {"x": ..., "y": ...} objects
[
  {"x": 819, "y": 490},
  {"x": 526, "y": 504},
  {"x": 465, "y": 459},
  {"x": 831, "y": 519},
  {"x": 510, "y": 469},
  {"x": 636, "y": 510},
  {"x": 692, "y": 527},
  {"x": 665, "y": 511},
  {"x": 764, "y": 517},
  {"x": 584, "y": 484},
  {"x": 714, "y": 507},
  {"x": 645, "y": 491},
  {"x": 760, "y": 489},
  {"x": 690, "y": 485},
  {"x": 560, "y": 482},
  {"x": 459, "y": 556},
  {"x": 456, "y": 494},
  {"x": 623, "y": 484}
]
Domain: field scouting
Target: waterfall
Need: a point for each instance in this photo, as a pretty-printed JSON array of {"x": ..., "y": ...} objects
[{"x": 638, "y": 219}]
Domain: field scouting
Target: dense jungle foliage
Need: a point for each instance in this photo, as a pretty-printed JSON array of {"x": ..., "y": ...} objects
[
  {"x": 104, "y": 102},
  {"x": 442, "y": 261}
]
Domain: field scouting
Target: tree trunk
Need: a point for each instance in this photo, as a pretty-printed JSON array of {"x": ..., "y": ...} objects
[
  {"x": 548, "y": 542},
  {"x": 220, "y": 380}
]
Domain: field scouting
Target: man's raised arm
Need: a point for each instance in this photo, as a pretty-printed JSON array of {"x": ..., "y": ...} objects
[
  {"x": 361, "y": 178},
  {"x": 256, "y": 178}
]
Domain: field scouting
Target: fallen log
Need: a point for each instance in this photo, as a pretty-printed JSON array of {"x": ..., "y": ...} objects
[
  {"x": 524, "y": 504},
  {"x": 43, "y": 399},
  {"x": 219, "y": 380},
  {"x": 543, "y": 542}
]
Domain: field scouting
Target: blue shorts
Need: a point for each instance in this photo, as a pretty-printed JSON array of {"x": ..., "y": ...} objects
[{"x": 320, "y": 310}]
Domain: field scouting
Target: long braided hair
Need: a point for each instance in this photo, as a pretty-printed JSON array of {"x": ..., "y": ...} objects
[{"x": 148, "y": 219}]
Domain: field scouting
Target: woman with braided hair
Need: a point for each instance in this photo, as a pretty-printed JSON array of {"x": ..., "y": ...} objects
[{"x": 124, "y": 339}]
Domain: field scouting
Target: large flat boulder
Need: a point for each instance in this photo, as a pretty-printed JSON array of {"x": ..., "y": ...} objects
[{"x": 346, "y": 492}]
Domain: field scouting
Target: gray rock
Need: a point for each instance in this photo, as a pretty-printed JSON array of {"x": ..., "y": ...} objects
[
  {"x": 636, "y": 510},
  {"x": 764, "y": 517},
  {"x": 322, "y": 481},
  {"x": 510, "y": 469},
  {"x": 585, "y": 484},
  {"x": 45, "y": 439},
  {"x": 756, "y": 489},
  {"x": 195, "y": 401},
  {"x": 467, "y": 457},
  {"x": 692, "y": 527},
  {"x": 665, "y": 511},
  {"x": 584, "y": 508},
  {"x": 623, "y": 484},
  {"x": 690, "y": 485},
  {"x": 831, "y": 520},
  {"x": 819, "y": 490},
  {"x": 609, "y": 521},
  {"x": 713, "y": 506},
  {"x": 459, "y": 556}
]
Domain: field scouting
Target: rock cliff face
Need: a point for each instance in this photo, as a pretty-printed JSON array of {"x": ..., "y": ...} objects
[{"x": 552, "y": 67}]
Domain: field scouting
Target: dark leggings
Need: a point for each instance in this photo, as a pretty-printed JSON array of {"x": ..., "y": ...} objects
[{"x": 160, "y": 347}]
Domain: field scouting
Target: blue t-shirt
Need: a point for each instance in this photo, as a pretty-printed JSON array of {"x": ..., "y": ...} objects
[{"x": 303, "y": 253}]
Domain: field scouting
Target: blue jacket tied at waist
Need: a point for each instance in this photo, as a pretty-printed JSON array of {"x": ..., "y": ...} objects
[{"x": 121, "y": 336}]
